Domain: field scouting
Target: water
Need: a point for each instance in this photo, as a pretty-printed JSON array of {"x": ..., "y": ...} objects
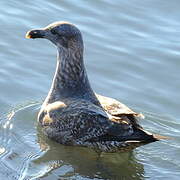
[{"x": 132, "y": 52}]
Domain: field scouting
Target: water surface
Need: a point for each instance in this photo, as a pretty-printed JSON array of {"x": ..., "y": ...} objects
[{"x": 132, "y": 52}]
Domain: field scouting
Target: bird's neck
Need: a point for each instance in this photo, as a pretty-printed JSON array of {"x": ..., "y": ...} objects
[{"x": 70, "y": 79}]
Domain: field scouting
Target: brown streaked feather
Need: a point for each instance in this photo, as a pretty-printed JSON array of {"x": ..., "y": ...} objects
[
  {"x": 85, "y": 120},
  {"x": 119, "y": 111},
  {"x": 115, "y": 107}
]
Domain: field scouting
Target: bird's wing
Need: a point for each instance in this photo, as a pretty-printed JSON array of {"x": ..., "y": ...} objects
[
  {"x": 115, "y": 107},
  {"x": 85, "y": 121}
]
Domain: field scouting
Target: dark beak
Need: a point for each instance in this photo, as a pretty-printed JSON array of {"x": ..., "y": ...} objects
[{"x": 35, "y": 34}]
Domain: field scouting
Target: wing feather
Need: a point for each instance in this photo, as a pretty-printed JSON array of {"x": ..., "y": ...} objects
[{"x": 83, "y": 122}]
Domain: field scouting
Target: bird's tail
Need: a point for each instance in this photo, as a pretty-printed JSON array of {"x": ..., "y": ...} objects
[
  {"x": 159, "y": 137},
  {"x": 147, "y": 137}
]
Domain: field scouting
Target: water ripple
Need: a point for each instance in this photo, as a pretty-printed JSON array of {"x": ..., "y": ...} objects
[{"x": 132, "y": 54}]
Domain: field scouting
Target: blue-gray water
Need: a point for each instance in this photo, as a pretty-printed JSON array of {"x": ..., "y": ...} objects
[{"x": 132, "y": 53}]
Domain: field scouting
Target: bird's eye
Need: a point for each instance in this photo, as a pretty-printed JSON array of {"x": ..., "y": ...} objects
[{"x": 53, "y": 31}]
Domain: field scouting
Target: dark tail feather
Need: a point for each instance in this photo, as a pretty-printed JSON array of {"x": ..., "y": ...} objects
[{"x": 145, "y": 136}]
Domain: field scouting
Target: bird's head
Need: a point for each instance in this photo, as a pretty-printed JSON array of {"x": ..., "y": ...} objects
[{"x": 63, "y": 34}]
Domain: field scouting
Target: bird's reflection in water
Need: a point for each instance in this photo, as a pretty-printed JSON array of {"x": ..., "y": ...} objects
[{"x": 75, "y": 162}]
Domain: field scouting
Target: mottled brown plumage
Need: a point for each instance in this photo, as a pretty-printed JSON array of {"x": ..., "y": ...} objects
[{"x": 72, "y": 113}]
